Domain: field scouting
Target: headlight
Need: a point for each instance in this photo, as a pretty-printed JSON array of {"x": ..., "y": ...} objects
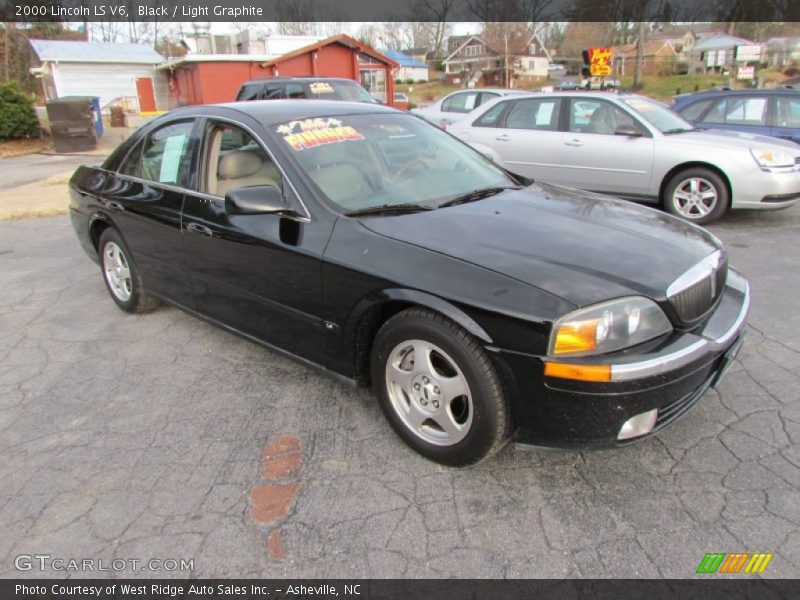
[
  {"x": 771, "y": 158},
  {"x": 608, "y": 327}
]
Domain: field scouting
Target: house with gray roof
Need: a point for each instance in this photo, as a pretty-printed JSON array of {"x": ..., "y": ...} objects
[{"x": 123, "y": 74}]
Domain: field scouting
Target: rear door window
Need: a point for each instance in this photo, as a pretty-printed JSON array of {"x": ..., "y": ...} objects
[
  {"x": 534, "y": 113},
  {"x": 166, "y": 156},
  {"x": 463, "y": 102},
  {"x": 249, "y": 92},
  {"x": 750, "y": 110}
]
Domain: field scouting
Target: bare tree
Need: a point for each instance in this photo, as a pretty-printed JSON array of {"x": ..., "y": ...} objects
[{"x": 434, "y": 14}]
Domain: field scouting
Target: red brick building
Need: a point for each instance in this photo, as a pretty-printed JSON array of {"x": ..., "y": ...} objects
[{"x": 213, "y": 78}]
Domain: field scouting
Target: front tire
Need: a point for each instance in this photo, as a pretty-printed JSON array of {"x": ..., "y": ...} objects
[
  {"x": 120, "y": 275},
  {"x": 698, "y": 195},
  {"x": 438, "y": 388}
]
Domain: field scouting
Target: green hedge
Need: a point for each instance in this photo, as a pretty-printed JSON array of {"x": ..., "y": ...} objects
[{"x": 17, "y": 117}]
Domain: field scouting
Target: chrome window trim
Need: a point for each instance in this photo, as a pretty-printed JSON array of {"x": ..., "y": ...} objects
[{"x": 705, "y": 268}]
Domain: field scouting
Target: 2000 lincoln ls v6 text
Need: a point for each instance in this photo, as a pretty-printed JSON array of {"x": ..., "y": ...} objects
[{"x": 480, "y": 306}]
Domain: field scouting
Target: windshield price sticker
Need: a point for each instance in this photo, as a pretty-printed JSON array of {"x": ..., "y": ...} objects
[
  {"x": 321, "y": 87},
  {"x": 310, "y": 133}
]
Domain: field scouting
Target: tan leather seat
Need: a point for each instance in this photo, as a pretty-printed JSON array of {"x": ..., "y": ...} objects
[
  {"x": 341, "y": 182},
  {"x": 244, "y": 169}
]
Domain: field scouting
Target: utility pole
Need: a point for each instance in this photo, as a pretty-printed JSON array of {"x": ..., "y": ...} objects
[
  {"x": 505, "y": 63},
  {"x": 637, "y": 71}
]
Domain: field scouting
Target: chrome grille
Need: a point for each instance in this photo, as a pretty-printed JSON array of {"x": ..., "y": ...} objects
[{"x": 694, "y": 301}]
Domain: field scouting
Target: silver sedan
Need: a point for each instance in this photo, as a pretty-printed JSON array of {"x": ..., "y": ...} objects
[{"x": 633, "y": 147}]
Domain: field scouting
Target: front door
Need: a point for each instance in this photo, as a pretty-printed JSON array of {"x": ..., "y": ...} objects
[
  {"x": 260, "y": 273},
  {"x": 146, "y": 94},
  {"x": 144, "y": 199},
  {"x": 595, "y": 158}
]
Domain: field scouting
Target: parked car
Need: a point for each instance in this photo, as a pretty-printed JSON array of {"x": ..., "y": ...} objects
[
  {"x": 634, "y": 148},
  {"x": 774, "y": 112},
  {"x": 323, "y": 88},
  {"x": 400, "y": 101},
  {"x": 455, "y": 105},
  {"x": 568, "y": 85},
  {"x": 372, "y": 245}
]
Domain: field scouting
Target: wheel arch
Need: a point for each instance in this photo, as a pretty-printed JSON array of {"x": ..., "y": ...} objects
[
  {"x": 98, "y": 223},
  {"x": 372, "y": 312},
  {"x": 695, "y": 164}
]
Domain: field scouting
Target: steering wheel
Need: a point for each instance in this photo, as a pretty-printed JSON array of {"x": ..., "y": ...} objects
[{"x": 406, "y": 166}]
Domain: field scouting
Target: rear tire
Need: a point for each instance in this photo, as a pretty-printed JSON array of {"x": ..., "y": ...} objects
[
  {"x": 121, "y": 276},
  {"x": 698, "y": 195},
  {"x": 438, "y": 388}
]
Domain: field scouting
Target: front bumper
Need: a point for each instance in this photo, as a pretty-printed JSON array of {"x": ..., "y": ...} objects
[
  {"x": 762, "y": 190},
  {"x": 665, "y": 376}
]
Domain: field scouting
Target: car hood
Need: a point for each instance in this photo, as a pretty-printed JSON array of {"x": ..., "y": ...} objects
[
  {"x": 731, "y": 139},
  {"x": 579, "y": 246}
]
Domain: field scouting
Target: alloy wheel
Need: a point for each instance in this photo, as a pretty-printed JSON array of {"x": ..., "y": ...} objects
[
  {"x": 695, "y": 198},
  {"x": 117, "y": 272},
  {"x": 429, "y": 392}
]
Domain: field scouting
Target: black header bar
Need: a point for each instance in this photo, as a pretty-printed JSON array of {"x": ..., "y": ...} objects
[{"x": 399, "y": 10}]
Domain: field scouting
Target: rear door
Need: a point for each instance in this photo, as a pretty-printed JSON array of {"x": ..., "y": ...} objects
[
  {"x": 595, "y": 158},
  {"x": 144, "y": 199},
  {"x": 525, "y": 134},
  {"x": 786, "y": 117}
]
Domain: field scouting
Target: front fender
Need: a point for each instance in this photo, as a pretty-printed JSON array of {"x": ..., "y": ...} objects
[{"x": 418, "y": 298}]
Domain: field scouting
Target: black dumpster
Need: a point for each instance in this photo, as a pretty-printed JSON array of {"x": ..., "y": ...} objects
[{"x": 72, "y": 123}]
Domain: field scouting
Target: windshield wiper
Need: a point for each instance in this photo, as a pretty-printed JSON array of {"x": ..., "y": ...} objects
[
  {"x": 478, "y": 194},
  {"x": 680, "y": 130},
  {"x": 388, "y": 209}
]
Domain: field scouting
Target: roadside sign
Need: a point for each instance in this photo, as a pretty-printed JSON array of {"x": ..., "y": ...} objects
[
  {"x": 598, "y": 61},
  {"x": 747, "y": 53},
  {"x": 746, "y": 73}
]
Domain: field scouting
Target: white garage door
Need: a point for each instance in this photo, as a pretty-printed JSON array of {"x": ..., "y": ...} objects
[{"x": 106, "y": 81}]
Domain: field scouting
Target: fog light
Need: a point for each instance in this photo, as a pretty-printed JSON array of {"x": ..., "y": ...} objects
[{"x": 639, "y": 425}]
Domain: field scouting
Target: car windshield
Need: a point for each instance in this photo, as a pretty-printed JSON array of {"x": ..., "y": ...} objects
[
  {"x": 658, "y": 115},
  {"x": 340, "y": 90},
  {"x": 373, "y": 161}
]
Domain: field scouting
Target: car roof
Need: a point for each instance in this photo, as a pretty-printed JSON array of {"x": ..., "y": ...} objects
[
  {"x": 746, "y": 92},
  {"x": 281, "y": 79},
  {"x": 269, "y": 112}
]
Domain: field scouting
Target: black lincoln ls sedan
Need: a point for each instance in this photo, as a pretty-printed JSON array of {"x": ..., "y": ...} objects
[{"x": 360, "y": 240}]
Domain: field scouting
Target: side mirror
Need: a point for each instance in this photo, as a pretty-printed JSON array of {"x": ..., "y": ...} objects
[
  {"x": 256, "y": 200},
  {"x": 629, "y": 131}
]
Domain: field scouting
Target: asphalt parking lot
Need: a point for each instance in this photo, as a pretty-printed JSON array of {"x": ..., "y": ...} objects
[{"x": 162, "y": 437}]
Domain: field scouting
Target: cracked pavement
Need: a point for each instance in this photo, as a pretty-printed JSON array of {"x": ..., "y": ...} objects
[{"x": 160, "y": 436}]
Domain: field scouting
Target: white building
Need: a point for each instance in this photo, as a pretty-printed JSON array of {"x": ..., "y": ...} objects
[{"x": 125, "y": 73}]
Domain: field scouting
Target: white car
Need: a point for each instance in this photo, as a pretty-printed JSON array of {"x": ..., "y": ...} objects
[
  {"x": 633, "y": 147},
  {"x": 455, "y": 105}
]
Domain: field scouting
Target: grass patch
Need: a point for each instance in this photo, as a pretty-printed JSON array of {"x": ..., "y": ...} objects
[
  {"x": 666, "y": 86},
  {"x": 23, "y": 147}
]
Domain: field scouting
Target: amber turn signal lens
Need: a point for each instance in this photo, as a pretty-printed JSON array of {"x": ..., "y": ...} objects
[
  {"x": 580, "y": 372},
  {"x": 578, "y": 336}
]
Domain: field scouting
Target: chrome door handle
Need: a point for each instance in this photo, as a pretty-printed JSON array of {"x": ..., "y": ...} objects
[
  {"x": 574, "y": 143},
  {"x": 114, "y": 206},
  {"x": 199, "y": 229},
  {"x": 502, "y": 138}
]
